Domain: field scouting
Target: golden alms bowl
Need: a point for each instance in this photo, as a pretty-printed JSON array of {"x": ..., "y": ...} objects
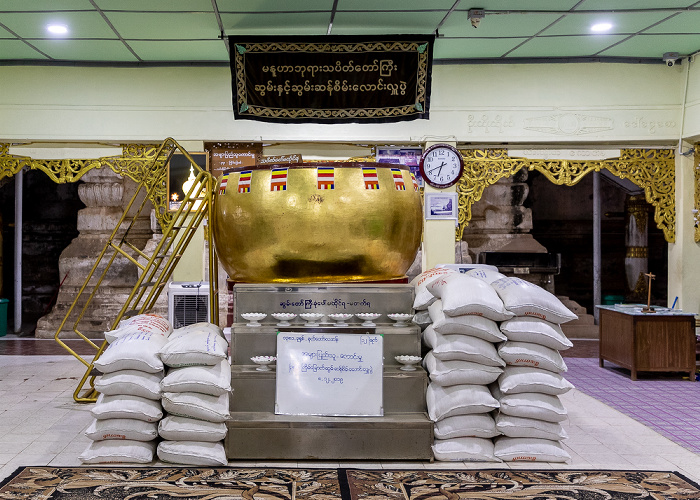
[{"x": 317, "y": 222}]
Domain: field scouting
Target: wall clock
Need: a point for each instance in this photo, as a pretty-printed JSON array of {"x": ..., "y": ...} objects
[{"x": 441, "y": 166}]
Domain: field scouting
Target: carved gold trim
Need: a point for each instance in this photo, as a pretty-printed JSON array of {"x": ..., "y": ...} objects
[
  {"x": 637, "y": 253},
  {"x": 637, "y": 207},
  {"x": 137, "y": 162},
  {"x": 651, "y": 169}
]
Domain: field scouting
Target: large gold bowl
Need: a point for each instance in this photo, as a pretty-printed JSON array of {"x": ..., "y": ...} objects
[{"x": 311, "y": 231}]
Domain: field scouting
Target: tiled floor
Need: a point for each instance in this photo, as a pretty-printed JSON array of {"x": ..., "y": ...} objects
[{"x": 41, "y": 425}]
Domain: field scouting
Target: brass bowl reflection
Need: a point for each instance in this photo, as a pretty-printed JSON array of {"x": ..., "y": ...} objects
[{"x": 307, "y": 234}]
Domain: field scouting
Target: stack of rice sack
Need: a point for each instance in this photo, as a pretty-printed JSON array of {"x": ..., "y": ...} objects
[
  {"x": 528, "y": 391},
  {"x": 128, "y": 408},
  {"x": 195, "y": 396},
  {"x": 461, "y": 363}
]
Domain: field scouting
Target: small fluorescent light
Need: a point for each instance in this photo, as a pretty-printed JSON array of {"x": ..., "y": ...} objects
[
  {"x": 57, "y": 29},
  {"x": 601, "y": 27}
]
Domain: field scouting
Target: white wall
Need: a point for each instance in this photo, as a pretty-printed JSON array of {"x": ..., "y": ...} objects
[{"x": 555, "y": 103}]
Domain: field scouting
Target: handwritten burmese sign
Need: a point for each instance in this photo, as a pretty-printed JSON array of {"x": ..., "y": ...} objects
[{"x": 331, "y": 79}]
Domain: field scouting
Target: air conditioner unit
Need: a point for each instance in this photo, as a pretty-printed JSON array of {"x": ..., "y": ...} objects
[{"x": 188, "y": 303}]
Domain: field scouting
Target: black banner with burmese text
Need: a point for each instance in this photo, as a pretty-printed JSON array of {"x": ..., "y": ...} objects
[{"x": 331, "y": 79}]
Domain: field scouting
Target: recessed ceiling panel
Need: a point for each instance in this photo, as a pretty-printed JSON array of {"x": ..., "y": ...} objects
[
  {"x": 655, "y": 46},
  {"x": 473, "y": 48},
  {"x": 156, "y": 5},
  {"x": 580, "y": 24},
  {"x": 16, "y": 49},
  {"x": 274, "y": 5},
  {"x": 520, "y": 5},
  {"x": 276, "y": 24},
  {"x": 689, "y": 22},
  {"x": 347, "y": 23},
  {"x": 622, "y": 5},
  {"x": 79, "y": 24},
  {"x": 165, "y": 26},
  {"x": 414, "y": 5},
  {"x": 197, "y": 50},
  {"x": 501, "y": 25},
  {"x": 85, "y": 50},
  {"x": 565, "y": 46},
  {"x": 45, "y": 5}
]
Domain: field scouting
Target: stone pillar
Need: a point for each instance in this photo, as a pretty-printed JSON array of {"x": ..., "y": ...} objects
[
  {"x": 637, "y": 247},
  {"x": 105, "y": 195}
]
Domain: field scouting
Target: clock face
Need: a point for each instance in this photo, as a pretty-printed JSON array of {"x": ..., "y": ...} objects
[{"x": 441, "y": 165}]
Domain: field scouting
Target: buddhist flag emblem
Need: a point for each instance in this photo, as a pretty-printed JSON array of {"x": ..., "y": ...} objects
[
  {"x": 370, "y": 176},
  {"x": 325, "y": 177},
  {"x": 415, "y": 182},
  {"x": 244, "y": 181},
  {"x": 398, "y": 179},
  {"x": 278, "y": 181},
  {"x": 224, "y": 181}
]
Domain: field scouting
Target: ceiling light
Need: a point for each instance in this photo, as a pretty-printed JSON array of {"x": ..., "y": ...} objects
[
  {"x": 599, "y": 27},
  {"x": 57, "y": 29}
]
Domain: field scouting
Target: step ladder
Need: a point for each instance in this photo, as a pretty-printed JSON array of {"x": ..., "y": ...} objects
[{"x": 156, "y": 269}]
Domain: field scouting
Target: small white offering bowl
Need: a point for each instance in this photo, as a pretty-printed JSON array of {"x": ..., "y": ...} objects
[
  {"x": 367, "y": 318},
  {"x": 284, "y": 318},
  {"x": 253, "y": 318},
  {"x": 311, "y": 318},
  {"x": 400, "y": 318},
  {"x": 408, "y": 362},
  {"x": 263, "y": 361},
  {"x": 340, "y": 318}
]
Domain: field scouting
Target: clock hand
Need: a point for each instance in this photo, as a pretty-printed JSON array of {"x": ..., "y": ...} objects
[{"x": 439, "y": 166}]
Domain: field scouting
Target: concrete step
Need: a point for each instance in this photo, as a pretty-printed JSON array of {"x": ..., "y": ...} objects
[
  {"x": 580, "y": 331},
  {"x": 266, "y": 436}
]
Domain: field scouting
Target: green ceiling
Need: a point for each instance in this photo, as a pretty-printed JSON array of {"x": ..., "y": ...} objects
[{"x": 189, "y": 31}]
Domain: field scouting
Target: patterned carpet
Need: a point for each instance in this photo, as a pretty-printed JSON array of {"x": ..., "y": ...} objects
[{"x": 228, "y": 483}]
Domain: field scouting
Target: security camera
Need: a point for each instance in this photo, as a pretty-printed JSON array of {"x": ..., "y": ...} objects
[
  {"x": 670, "y": 58},
  {"x": 475, "y": 16}
]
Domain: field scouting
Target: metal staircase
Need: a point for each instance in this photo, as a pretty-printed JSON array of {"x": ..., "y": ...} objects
[{"x": 155, "y": 269}]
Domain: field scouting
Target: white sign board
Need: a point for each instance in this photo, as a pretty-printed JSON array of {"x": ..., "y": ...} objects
[
  {"x": 565, "y": 154},
  {"x": 329, "y": 374}
]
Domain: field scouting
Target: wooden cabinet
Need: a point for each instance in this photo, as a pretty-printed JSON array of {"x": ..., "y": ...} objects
[{"x": 658, "y": 342}]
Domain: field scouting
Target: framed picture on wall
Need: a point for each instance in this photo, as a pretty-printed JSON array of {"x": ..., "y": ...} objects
[
  {"x": 441, "y": 206},
  {"x": 179, "y": 169}
]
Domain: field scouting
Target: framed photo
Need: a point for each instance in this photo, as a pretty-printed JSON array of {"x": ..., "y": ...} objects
[
  {"x": 409, "y": 157},
  {"x": 441, "y": 206},
  {"x": 179, "y": 172}
]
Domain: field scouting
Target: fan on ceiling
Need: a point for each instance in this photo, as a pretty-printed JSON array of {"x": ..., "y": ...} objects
[{"x": 188, "y": 303}]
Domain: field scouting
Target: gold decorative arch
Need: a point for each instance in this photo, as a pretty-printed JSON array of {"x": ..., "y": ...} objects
[
  {"x": 653, "y": 170},
  {"x": 137, "y": 162}
]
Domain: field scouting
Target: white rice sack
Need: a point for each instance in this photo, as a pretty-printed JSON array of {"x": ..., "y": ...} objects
[
  {"x": 534, "y": 355},
  {"x": 465, "y": 348},
  {"x": 192, "y": 453},
  {"x": 476, "y": 425},
  {"x": 445, "y": 402},
  {"x": 142, "y": 323},
  {"x": 202, "y": 327},
  {"x": 423, "y": 298},
  {"x": 116, "y": 451},
  {"x": 125, "y": 406},
  {"x": 194, "y": 405},
  {"x": 131, "y": 382},
  {"x": 195, "y": 348},
  {"x": 175, "y": 428},
  {"x": 474, "y": 326},
  {"x": 511, "y": 449},
  {"x": 533, "y": 405},
  {"x": 213, "y": 380},
  {"x": 486, "y": 275},
  {"x": 459, "y": 372},
  {"x": 122, "y": 428},
  {"x": 462, "y": 294},
  {"x": 466, "y": 449},
  {"x": 536, "y": 331},
  {"x": 422, "y": 319},
  {"x": 516, "y": 379},
  {"x": 512, "y": 426},
  {"x": 135, "y": 351},
  {"x": 527, "y": 299}
]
